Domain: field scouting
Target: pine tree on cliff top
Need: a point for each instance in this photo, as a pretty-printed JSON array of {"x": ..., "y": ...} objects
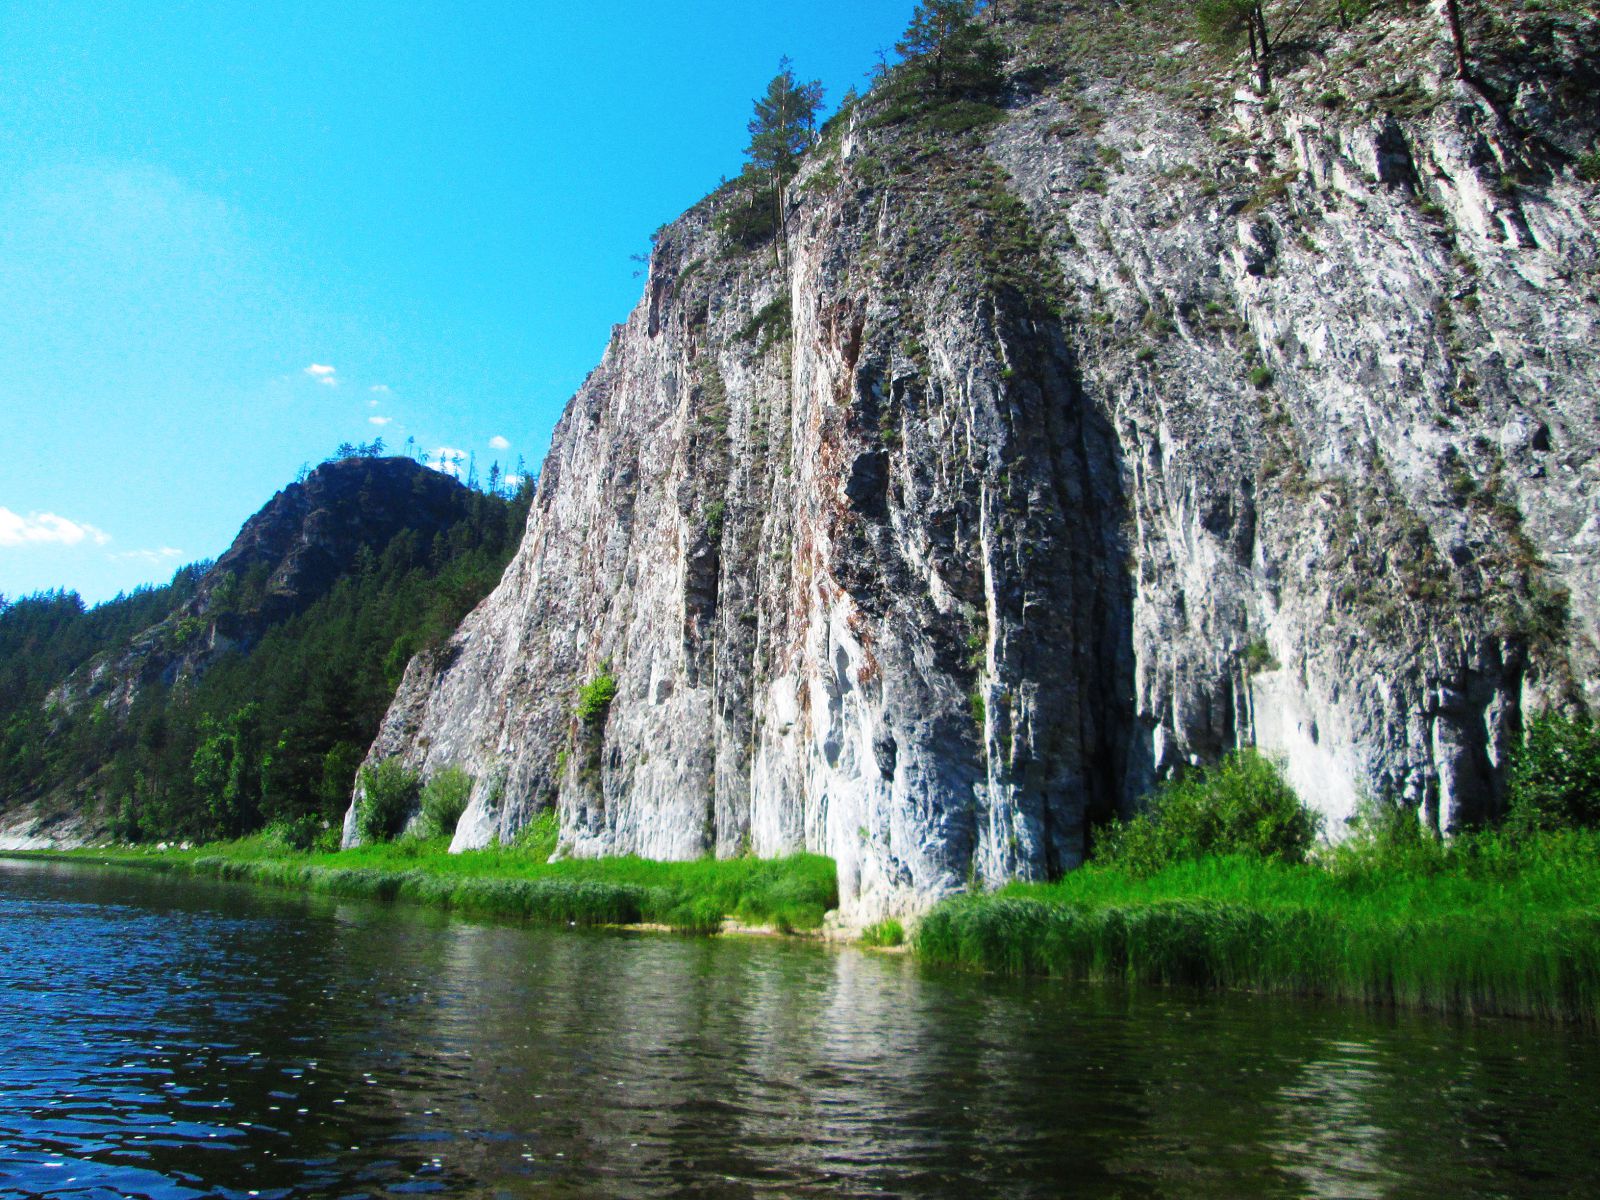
[
  {"x": 782, "y": 126},
  {"x": 781, "y": 130},
  {"x": 946, "y": 47}
]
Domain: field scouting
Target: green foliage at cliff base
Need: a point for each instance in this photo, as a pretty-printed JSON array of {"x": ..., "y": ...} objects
[
  {"x": 1486, "y": 924},
  {"x": 789, "y": 893}
]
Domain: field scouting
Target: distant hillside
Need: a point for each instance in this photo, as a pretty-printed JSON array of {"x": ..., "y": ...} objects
[{"x": 245, "y": 690}]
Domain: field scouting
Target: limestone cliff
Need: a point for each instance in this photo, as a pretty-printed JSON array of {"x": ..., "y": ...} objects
[{"x": 1045, "y": 453}]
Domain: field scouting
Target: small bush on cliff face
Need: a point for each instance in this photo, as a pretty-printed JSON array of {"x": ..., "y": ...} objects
[
  {"x": 1239, "y": 806},
  {"x": 770, "y": 325},
  {"x": 595, "y": 697},
  {"x": 444, "y": 799},
  {"x": 748, "y": 220},
  {"x": 389, "y": 794},
  {"x": 1555, "y": 775}
]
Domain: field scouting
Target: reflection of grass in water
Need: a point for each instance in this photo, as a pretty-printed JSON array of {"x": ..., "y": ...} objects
[
  {"x": 517, "y": 881},
  {"x": 1486, "y": 925}
]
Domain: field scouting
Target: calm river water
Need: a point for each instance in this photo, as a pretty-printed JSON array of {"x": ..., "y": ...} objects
[{"x": 166, "y": 1038}]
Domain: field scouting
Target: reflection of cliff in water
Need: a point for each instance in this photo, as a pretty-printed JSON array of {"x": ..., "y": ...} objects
[{"x": 194, "y": 1038}]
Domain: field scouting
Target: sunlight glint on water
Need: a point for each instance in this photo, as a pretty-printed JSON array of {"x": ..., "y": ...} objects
[{"x": 174, "y": 1039}]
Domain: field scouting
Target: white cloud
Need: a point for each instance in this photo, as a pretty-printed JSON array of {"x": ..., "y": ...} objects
[
  {"x": 372, "y": 404},
  {"x": 511, "y": 482},
  {"x": 448, "y": 460},
  {"x": 499, "y": 443},
  {"x": 379, "y": 420},
  {"x": 381, "y": 389},
  {"x": 323, "y": 374},
  {"x": 149, "y": 556},
  {"x": 46, "y": 529}
]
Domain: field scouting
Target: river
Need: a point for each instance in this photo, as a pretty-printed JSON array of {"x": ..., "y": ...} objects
[{"x": 175, "y": 1038}]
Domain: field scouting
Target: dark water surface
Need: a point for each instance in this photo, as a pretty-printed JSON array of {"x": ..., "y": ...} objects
[{"x": 172, "y": 1038}]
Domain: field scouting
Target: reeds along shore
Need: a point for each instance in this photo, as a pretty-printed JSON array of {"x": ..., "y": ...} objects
[
  {"x": 1492, "y": 924},
  {"x": 791, "y": 893},
  {"x": 1486, "y": 925}
]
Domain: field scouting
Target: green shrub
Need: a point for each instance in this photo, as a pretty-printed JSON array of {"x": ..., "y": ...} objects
[
  {"x": 884, "y": 933},
  {"x": 595, "y": 697},
  {"x": 1589, "y": 166},
  {"x": 770, "y": 324},
  {"x": 1258, "y": 657},
  {"x": 297, "y": 833},
  {"x": 444, "y": 799},
  {"x": 389, "y": 796},
  {"x": 1389, "y": 839},
  {"x": 327, "y": 840},
  {"x": 1262, "y": 377},
  {"x": 750, "y": 218},
  {"x": 1555, "y": 775},
  {"x": 538, "y": 838},
  {"x": 1239, "y": 806}
]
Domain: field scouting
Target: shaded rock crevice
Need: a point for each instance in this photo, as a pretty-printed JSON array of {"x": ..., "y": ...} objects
[{"x": 1061, "y": 455}]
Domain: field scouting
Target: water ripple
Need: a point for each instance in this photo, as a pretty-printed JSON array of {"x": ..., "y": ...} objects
[{"x": 170, "y": 1039}]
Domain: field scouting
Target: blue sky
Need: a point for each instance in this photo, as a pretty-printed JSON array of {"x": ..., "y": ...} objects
[{"x": 199, "y": 202}]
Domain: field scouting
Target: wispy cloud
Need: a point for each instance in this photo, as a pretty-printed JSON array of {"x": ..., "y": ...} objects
[
  {"x": 149, "y": 556},
  {"x": 323, "y": 374},
  {"x": 381, "y": 389},
  {"x": 379, "y": 420},
  {"x": 43, "y": 529},
  {"x": 499, "y": 443}
]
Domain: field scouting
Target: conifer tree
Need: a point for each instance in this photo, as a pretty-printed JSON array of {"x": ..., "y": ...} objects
[
  {"x": 1226, "y": 22},
  {"x": 951, "y": 53},
  {"x": 781, "y": 131}
]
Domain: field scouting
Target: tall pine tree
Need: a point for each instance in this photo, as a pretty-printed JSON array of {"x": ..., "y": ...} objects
[
  {"x": 948, "y": 51},
  {"x": 780, "y": 132}
]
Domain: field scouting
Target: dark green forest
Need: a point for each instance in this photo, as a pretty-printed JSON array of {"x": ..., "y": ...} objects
[{"x": 271, "y": 735}]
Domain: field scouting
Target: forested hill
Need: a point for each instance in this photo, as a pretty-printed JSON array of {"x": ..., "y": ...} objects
[{"x": 244, "y": 691}]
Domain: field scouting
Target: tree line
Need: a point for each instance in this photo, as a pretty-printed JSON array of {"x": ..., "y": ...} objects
[
  {"x": 274, "y": 734},
  {"x": 505, "y": 482},
  {"x": 1264, "y": 28},
  {"x": 948, "y": 55},
  {"x": 945, "y": 55}
]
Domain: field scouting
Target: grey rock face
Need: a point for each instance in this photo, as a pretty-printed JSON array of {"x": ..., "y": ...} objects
[{"x": 1034, "y": 466}]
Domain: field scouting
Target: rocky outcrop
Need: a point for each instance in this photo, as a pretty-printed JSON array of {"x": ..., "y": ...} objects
[
  {"x": 285, "y": 558},
  {"x": 1044, "y": 456}
]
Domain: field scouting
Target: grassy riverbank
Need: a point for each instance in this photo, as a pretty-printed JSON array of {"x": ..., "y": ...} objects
[
  {"x": 1485, "y": 925},
  {"x": 790, "y": 893}
]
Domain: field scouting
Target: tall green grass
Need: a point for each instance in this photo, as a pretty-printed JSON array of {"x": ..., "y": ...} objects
[
  {"x": 1485, "y": 925},
  {"x": 790, "y": 893}
]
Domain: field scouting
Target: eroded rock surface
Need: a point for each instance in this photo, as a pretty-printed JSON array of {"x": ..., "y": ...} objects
[{"x": 1152, "y": 420}]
